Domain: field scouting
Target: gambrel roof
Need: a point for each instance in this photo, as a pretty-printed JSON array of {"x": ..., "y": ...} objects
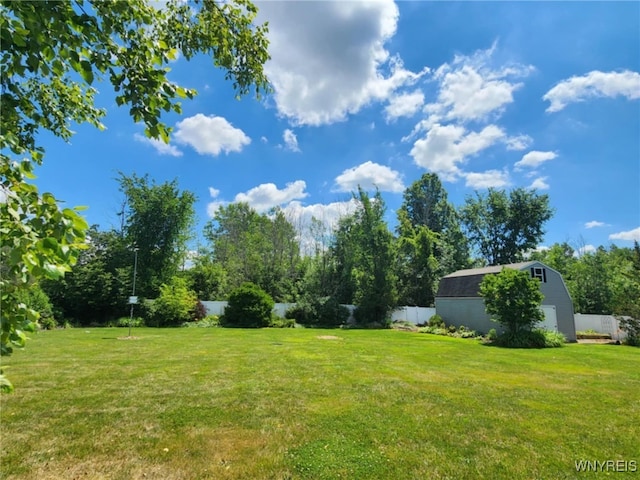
[{"x": 466, "y": 283}]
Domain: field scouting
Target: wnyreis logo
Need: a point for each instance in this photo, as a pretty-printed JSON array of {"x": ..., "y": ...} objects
[{"x": 606, "y": 466}]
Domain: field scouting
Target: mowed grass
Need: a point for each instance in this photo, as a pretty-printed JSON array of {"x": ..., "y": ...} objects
[{"x": 287, "y": 404}]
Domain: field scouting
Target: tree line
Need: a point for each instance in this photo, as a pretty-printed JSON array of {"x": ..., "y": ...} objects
[{"x": 359, "y": 261}]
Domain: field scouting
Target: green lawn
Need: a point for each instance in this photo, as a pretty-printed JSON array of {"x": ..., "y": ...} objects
[{"x": 284, "y": 404}]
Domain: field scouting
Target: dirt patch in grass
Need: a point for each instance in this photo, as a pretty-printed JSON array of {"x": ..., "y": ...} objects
[
  {"x": 128, "y": 338},
  {"x": 328, "y": 337}
]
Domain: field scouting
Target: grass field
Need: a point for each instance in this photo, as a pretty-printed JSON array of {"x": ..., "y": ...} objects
[{"x": 287, "y": 404}]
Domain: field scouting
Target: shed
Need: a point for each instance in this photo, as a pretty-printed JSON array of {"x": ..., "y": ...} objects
[{"x": 458, "y": 300}]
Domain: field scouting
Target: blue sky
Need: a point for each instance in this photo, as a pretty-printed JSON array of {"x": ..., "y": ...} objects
[{"x": 506, "y": 94}]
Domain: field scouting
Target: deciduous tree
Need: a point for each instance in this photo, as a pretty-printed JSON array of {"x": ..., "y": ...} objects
[
  {"x": 504, "y": 226},
  {"x": 52, "y": 55}
]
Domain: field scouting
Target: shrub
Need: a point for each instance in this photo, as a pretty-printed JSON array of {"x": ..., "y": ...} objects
[
  {"x": 37, "y": 300},
  {"x": 209, "y": 321},
  {"x": 321, "y": 312},
  {"x": 451, "y": 328},
  {"x": 537, "y": 338},
  {"x": 492, "y": 335},
  {"x": 175, "y": 304},
  {"x": 135, "y": 322},
  {"x": 277, "y": 322},
  {"x": 436, "y": 321},
  {"x": 199, "y": 312},
  {"x": 513, "y": 298},
  {"x": 249, "y": 307},
  {"x": 631, "y": 326},
  {"x": 554, "y": 339}
]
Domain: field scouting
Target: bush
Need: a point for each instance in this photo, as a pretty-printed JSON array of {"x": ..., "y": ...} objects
[
  {"x": 135, "y": 322},
  {"x": 631, "y": 326},
  {"x": 513, "y": 298},
  {"x": 35, "y": 299},
  {"x": 436, "y": 321},
  {"x": 320, "y": 312},
  {"x": 530, "y": 339},
  {"x": 492, "y": 335},
  {"x": 199, "y": 312},
  {"x": 209, "y": 321},
  {"x": 249, "y": 307},
  {"x": 175, "y": 304},
  {"x": 277, "y": 322}
]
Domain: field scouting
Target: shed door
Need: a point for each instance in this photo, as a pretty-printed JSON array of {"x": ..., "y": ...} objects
[{"x": 550, "y": 321}]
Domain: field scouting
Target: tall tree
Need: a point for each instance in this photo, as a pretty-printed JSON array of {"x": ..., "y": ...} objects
[
  {"x": 425, "y": 204},
  {"x": 52, "y": 53},
  {"x": 364, "y": 255},
  {"x": 99, "y": 284},
  {"x": 503, "y": 227},
  {"x": 250, "y": 247},
  {"x": 158, "y": 222},
  {"x": 416, "y": 267}
]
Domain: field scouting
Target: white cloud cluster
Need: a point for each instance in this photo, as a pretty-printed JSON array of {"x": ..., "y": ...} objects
[
  {"x": 160, "y": 147},
  {"x": 446, "y": 147},
  {"x": 595, "y": 224},
  {"x": 328, "y": 58},
  {"x": 470, "y": 88},
  {"x": 404, "y": 105},
  {"x": 263, "y": 197},
  {"x": 629, "y": 235},
  {"x": 534, "y": 159},
  {"x": 540, "y": 183},
  {"x": 592, "y": 85},
  {"x": 290, "y": 140},
  {"x": 488, "y": 179},
  {"x": 210, "y": 135},
  {"x": 369, "y": 175}
]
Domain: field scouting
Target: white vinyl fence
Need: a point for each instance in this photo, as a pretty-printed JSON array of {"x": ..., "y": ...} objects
[
  {"x": 415, "y": 315},
  {"x": 599, "y": 323}
]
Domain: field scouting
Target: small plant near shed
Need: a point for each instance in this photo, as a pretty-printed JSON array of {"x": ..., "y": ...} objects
[{"x": 249, "y": 307}]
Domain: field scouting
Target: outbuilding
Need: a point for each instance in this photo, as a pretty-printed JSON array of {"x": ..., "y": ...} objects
[{"x": 458, "y": 300}]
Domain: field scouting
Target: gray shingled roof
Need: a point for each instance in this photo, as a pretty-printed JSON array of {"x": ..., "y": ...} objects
[{"x": 466, "y": 283}]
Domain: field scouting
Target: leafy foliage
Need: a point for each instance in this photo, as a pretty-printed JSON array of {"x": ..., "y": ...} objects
[
  {"x": 249, "y": 307},
  {"x": 425, "y": 206},
  {"x": 535, "y": 338},
  {"x": 52, "y": 53},
  {"x": 175, "y": 305},
  {"x": 158, "y": 221},
  {"x": 36, "y": 299},
  {"x": 262, "y": 249},
  {"x": 95, "y": 291},
  {"x": 363, "y": 250},
  {"x": 513, "y": 299},
  {"x": 320, "y": 312},
  {"x": 503, "y": 227}
]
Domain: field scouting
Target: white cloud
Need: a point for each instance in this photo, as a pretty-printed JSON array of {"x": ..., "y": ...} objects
[
  {"x": 328, "y": 58},
  {"x": 534, "y": 159},
  {"x": 471, "y": 88},
  {"x": 266, "y": 196},
  {"x": 290, "y": 140},
  {"x": 369, "y": 175},
  {"x": 540, "y": 184},
  {"x": 592, "y": 85},
  {"x": 488, "y": 179},
  {"x": 264, "y": 139},
  {"x": 404, "y": 105},
  {"x": 328, "y": 214},
  {"x": 629, "y": 235},
  {"x": 446, "y": 146},
  {"x": 161, "y": 147},
  {"x": 584, "y": 249},
  {"x": 519, "y": 142},
  {"x": 210, "y": 135},
  {"x": 595, "y": 223},
  {"x": 214, "y": 192}
]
